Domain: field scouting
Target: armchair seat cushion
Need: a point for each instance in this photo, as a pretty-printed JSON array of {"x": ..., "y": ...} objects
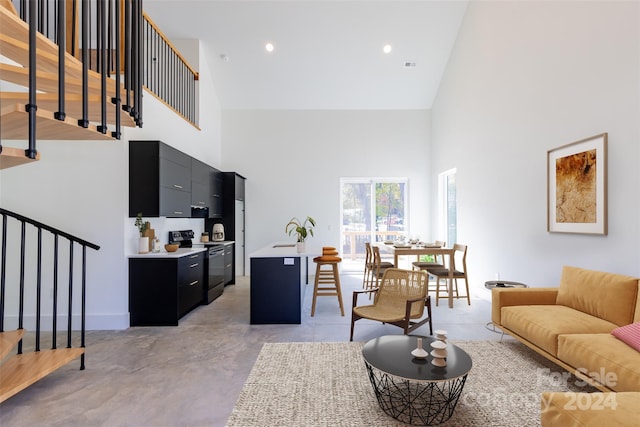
[
  {"x": 542, "y": 324},
  {"x": 381, "y": 314}
]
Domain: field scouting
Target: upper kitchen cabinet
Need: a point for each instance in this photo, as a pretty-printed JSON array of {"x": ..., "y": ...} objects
[
  {"x": 206, "y": 190},
  {"x": 159, "y": 180}
]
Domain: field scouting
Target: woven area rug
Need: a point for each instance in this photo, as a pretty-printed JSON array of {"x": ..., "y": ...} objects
[{"x": 326, "y": 384}]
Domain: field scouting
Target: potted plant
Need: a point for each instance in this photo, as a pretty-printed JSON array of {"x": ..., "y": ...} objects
[
  {"x": 143, "y": 241},
  {"x": 302, "y": 230}
]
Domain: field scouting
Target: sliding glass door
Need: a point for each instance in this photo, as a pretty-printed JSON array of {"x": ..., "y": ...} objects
[{"x": 372, "y": 210}]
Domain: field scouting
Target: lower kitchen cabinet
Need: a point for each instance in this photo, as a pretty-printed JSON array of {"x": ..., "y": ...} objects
[
  {"x": 162, "y": 290},
  {"x": 229, "y": 276}
]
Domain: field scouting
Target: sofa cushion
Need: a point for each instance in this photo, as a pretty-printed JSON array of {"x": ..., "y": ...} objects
[
  {"x": 570, "y": 409},
  {"x": 629, "y": 334},
  {"x": 608, "y": 296},
  {"x": 541, "y": 324},
  {"x": 604, "y": 357}
]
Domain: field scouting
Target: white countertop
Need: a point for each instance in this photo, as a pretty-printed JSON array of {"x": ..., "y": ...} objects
[
  {"x": 287, "y": 249},
  {"x": 164, "y": 254},
  {"x": 214, "y": 243}
]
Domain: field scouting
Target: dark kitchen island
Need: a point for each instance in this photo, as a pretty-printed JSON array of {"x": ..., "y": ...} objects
[{"x": 278, "y": 282}]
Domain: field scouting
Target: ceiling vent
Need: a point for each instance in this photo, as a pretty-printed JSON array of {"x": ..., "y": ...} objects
[{"x": 409, "y": 64}]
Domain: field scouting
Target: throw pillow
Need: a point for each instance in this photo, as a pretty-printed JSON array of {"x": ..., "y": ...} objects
[{"x": 629, "y": 334}]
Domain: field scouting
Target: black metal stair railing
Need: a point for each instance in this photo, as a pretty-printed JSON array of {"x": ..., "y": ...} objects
[
  {"x": 33, "y": 288},
  {"x": 96, "y": 41},
  {"x": 167, "y": 74}
]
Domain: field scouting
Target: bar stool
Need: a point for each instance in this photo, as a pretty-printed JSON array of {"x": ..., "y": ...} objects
[{"x": 327, "y": 282}]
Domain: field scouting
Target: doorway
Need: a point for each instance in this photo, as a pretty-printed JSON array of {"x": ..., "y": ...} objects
[{"x": 372, "y": 210}]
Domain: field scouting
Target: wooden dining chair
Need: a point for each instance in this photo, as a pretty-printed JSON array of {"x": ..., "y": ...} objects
[
  {"x": 379, "y": 266},
  {"x": 442, "y": 273},
  {"x": 438, "y": 260},
  {"x": 367, "y": 279},
  {"x": 399, "y": 300}
]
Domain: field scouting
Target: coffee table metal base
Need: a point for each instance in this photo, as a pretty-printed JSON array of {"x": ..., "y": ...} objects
[{"x": 416, "y": 402}]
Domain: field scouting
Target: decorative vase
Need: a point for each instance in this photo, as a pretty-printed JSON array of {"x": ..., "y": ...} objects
[
  {"x": 143, "y": 245},
  {"x": 419, "y": 352},
  {"x": 301, "y": 247}
]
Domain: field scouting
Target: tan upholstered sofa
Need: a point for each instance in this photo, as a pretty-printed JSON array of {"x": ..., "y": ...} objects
[{"x": 571, "y": 325}]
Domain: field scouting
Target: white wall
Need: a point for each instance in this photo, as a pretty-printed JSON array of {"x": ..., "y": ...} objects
[
  {"x": 293, "y": 162},
  {"x": 526, "y": 77},
  {"x": 81, "y": 187}
]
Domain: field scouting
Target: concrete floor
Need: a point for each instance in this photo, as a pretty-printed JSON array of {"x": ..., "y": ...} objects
[{"x": 192, "y": 374}]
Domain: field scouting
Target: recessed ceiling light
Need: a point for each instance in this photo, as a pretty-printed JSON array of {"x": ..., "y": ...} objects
[
  {"x": 386, "y": 48},
  {"x": 269, "y": 47}
]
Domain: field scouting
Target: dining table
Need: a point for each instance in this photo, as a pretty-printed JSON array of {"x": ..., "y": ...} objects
[{"x": 405, "y": 249}]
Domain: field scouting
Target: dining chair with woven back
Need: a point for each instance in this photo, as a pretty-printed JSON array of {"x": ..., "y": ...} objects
[
  {"x": 399, "y": 300},
  {"x": 442, "y": 273}
]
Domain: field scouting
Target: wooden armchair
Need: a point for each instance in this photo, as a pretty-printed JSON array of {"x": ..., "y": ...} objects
[{"x": 399, "y": 300}]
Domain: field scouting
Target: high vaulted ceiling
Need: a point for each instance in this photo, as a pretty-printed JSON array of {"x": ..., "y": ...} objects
[{"x": 328, "y": 54}]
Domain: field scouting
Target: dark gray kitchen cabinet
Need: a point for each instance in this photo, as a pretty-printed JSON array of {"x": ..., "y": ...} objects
[
  {"x": 162, "y": 290},
  {"x": 216, "y": 209},
  {"x": 201, "y": 194},
  {"x": 206, "y": 189},
  {"x": 159, "y": 180},
  {"x": 229, "y": 277}
]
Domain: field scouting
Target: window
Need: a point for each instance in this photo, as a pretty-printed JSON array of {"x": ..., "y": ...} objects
[
  {"x": 372, "y": 210},
  {"x": 447, "y": 207}
]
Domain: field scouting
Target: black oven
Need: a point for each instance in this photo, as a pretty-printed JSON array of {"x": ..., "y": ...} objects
[{"x": 215, "y": 285}]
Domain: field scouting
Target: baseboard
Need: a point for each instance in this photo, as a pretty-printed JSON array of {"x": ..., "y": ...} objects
[{"x": 94, "y": 322}]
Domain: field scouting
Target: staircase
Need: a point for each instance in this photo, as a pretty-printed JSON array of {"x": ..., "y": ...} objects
[
  {"x": 73, "y": 99},
  {"x": 67, "y": 307},
  {"x": 20, "y": 371}
]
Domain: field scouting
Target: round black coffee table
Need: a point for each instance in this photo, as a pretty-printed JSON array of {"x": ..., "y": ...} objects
[{"x": 413, "y": 390}]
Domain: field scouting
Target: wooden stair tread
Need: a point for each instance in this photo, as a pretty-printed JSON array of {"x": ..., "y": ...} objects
[
  {"x": 9, "y": 5},
  {"x": 47, "y": 82},
  {"x": 12, "y": 156},
  {"x": 22, "y": 370},
  {"x": 15, "y": 126},
  {"x": 9, "y": 339},
  {"x": 14, "y": 44},
  {"x": 73, "y": 106}
]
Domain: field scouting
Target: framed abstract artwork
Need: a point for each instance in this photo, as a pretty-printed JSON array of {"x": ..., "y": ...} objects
[{"x": 577, "y": 187}]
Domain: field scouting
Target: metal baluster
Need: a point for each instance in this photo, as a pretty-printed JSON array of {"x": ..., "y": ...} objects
[
  {"x": 127, "y": 55},
  {"x": 140, "y": 55},
  {"x": 84, "y": 121},
  {"x": 69, "y": 309},
  {"x": 102, "y": 45},
  {"x": 134, "y": 61},
  {"x": 117, "y": 100},
  {"x": 21, "y": 302},
  {"x": 84, "y": 303},
  {"x": 54, "y": 326},
  {"x": 31, "y": 107},
  {"x": 60, "y": 114},
  {"x": 3, "y": 273},
  {"x": 109, "y": 38},
  {"x": 38, "y": 288}
]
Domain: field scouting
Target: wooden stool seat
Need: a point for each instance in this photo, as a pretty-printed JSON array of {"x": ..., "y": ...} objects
[{"x": 327, "y": 282}]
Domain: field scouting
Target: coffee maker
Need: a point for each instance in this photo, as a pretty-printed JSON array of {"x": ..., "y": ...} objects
[{"x": 217, "y": 233}]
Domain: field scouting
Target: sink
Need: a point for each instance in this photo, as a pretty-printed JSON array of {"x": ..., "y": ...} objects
[{"x": 285, "y": 245}]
